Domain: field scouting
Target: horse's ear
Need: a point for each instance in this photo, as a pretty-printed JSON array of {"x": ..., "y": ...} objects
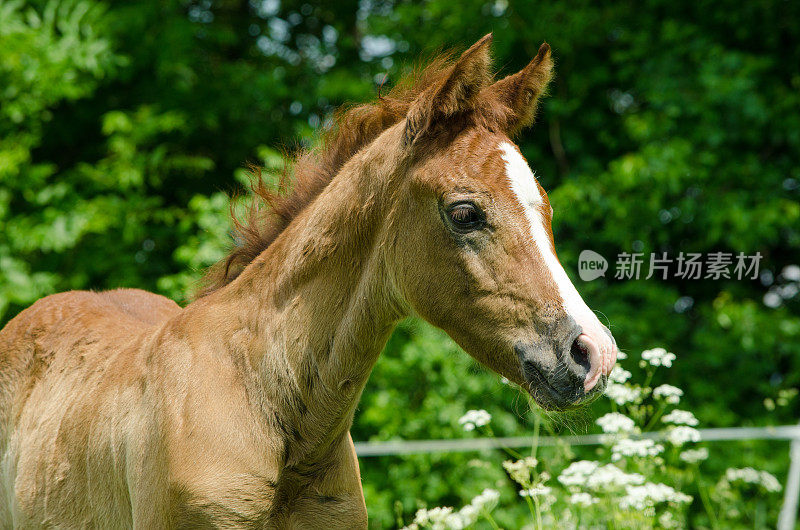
[
  {"x": 456, "y": 92},
  {"x": 520, "y": 92}
]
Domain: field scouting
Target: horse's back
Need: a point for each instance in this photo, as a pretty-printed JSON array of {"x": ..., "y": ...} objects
[
  {"x": 68, "y": 365},
  {"x": 149, "y": 308},
  {"x": 65, "y": 323}
]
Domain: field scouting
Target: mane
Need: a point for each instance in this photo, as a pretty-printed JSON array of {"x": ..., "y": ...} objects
[{"x": 269, "y": 209}]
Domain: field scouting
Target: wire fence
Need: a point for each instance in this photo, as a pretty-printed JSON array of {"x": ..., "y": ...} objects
[{"x": 791, "y": 433}]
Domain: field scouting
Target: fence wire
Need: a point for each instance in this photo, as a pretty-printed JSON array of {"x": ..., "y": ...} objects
[{"x": 406, "y": 447}]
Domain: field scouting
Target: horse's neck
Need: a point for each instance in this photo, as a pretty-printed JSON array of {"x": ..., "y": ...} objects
[{"x": 312, "y": 312}]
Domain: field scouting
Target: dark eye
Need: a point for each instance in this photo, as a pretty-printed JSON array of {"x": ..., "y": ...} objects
[{"x": 466, "y": 216}]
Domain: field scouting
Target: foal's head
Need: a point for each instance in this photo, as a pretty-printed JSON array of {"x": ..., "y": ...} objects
[{"x": 475, "y": 255}]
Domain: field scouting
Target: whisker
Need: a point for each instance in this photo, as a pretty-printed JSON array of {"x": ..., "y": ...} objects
[{"x": 600, "y": 313}]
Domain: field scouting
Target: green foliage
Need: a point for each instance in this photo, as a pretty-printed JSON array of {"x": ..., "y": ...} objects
[
  {"x": 46, "y": 58},
  {"x": 670, "y": 127}
]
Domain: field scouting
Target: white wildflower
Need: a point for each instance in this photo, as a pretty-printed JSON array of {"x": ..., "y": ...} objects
[
  {"x": 658, "y": 357},
  {"x": 667, "y": 520},
  {"x": 621, "y": 355},
  {"x": 546, "y": 501},
  {"x": 769, "y": 482},
  {"x": 520, "y": 470},
  {"x": 538, "y": 490},
  {"x": 582, "y": 499},
  {"x": 469, "y": 514},
  {"x": 641, "y": 448},
  {"x": 446, "y": 518},
  {"x": 611, "y": 475},
  {"x": 577, "y": 473},
  {"x": 692, "y": 456},
  {"x": 614, "y": 422},
  {"x": 458, "y": 521},
  {"x": 487, "y": 500},
  {"x": 619, "y": 375},
  {"x": 435, "y": 516},
  {"x": 753, "y": 476},
  {"x": 682, "y": 434},
  {"x": 648, "y": 495},
  {"x": 670, "y": 394},
  {"x": 622, "y": 394},
  {"x": 680, "y": 417},
  {"x": 474, "y": 418}
]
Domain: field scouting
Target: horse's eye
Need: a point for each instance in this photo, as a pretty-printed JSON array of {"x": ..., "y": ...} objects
[{"x": 466, "y": 216}]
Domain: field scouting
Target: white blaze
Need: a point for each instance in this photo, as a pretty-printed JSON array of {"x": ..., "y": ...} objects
[{"x": 523, "y": 184}]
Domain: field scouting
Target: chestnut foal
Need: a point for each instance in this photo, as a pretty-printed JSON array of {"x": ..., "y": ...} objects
[{"x": 121, "y": 409}]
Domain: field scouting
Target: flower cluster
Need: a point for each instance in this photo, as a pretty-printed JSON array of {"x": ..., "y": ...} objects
[
  {"x": 474, "y": 418},
  {"x": 680, "y": 417},
  {"x": 577, "y": 473},
  {"x": 682, "y": 434},
  {"x": 693, "y": 456},
  {"x": 520, "y": 470},
  {"x": 622, "y": 394},
  {"x": 534, "y": 486},
  {"x": 614, "y": 423},
  {"x": 539, "y": 490},
  {"x": 658, "y": 357},
  {"x": 641, "y": 448},
  {"x": 752, "y": 476},
  {"x": 435, "y": 518},
  {"x": 582, "y": 499},
  {"x": 611, "y": 475},
  {"x": 619, "y": 375},
  {"x": 486, "y": 501},
  {"x": 670, "y": 394},
  {"x": 591, "y": 475},
  {"x": 445, "y": 518},
  {"x": 650, "y": 494}
]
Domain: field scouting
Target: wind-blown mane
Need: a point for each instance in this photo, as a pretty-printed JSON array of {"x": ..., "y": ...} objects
[{"x": 270, "y": 211}]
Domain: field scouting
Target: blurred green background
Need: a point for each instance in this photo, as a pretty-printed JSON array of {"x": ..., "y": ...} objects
[{"x": 671, "y": 126}]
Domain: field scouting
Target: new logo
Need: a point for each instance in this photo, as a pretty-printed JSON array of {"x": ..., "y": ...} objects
[{"x": 591, "y": 265}]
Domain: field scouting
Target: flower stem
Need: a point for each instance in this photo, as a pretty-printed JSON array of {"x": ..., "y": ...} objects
[
  {"x": 531, "y": 507},
  {"x": 650, "y": 373},
  {"x": 537, "y": 421},
  {"x": 703, "y": 490},
  {"x": 655, "y": 417},
  {"x": 491, "y": 520}
]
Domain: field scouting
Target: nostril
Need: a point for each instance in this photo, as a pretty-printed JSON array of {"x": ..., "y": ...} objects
[
  {"x": 593, "y": 359},
  {"x": 580, "y": 353}
]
